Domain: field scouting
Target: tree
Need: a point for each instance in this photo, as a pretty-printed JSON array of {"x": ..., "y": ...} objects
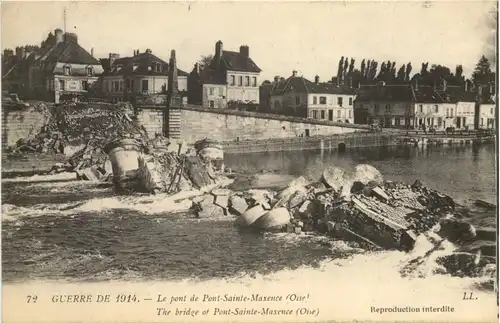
[
  {"x": 340, "y": 69},
  {"x": 351, "y": 66},
  {"x": 206, "y": 60},
  {"x": 482, "y": 73},
  {"x": 401, "y": 76},
  {"x": 363, "y": 66},
  {"x": 408, "y": 70}
]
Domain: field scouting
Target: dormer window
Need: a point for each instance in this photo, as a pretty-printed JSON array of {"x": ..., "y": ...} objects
[
  {"x": 67, "y": 70},
  {"x": 90, "y": 71}
]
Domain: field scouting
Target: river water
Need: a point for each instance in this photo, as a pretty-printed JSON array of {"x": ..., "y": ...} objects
[{"x": 80, "y": 232}]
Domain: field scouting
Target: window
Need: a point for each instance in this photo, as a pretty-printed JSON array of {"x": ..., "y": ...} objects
[
  {"x": 436, "y": 108},
  {"x": 491, "y": 111},
  {"x": 340, "y": 102},
  {"x": 451, "y": 112},
  {"x": 233, "y": 80},
  {"x": 67, "y": 70},
  {"x": 211, "y": 103},
  {"x": 116, "y": 86},
  {"x": 90, "y": 71},
  {"x": 247, "y": 80},
  {"x": 350, "y": 101},
  {"x": 221, "y": 91},
  {"x": 322, "y": 100},
  {"x": 240, "y": 80},
  {"x": 85, "y": 85},
  {"x": 315, "y": 100},
  {"x": 132, "y": 85},
  {"x": 315, "y": 114},
  {"x": 61, "y": 85},
  {"x": 145, "y": 85},
  {"x": 211, "y": 90},
  {"x": 322, "y": 114},
  {"x": 350, "y": 113},
  {"x": 376, "y": 108},
  {"x": 254, "y": 81},
  {"x": 338, "y": 113},
  {"x": 297, "y": 100},
  {"x": 482, "y": 122},
  {"x": 447, "y": 112},
  {"x": 420, "y": 108},
  {"x": 121, "y": 86},
  {"x": 387, "y": 108}
]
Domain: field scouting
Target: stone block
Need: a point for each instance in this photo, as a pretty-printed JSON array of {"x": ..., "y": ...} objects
[
  {"x": 222, "y": 201},
  {"x": 211, "y": 211},
  {"x": 238, "y": 205}
]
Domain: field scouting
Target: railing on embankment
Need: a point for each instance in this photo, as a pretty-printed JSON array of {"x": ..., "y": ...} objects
[
  {"x": 441, "y": 139},
  {"x": 332, "y": 142}
]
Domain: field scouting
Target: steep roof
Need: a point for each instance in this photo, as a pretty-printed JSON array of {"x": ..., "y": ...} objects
[
  {"x": 212, "y": 76},
  {"x": 235, "y": 61},
  {"x": 300, "y": 84},
  {"x": 140, "y": 64},
  {"x": 68, "y": 52},
  {"x": 420, "y": 94},
  {"x": 388, "y": 93}
]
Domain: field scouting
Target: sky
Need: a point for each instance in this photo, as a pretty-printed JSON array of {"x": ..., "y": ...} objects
[{"x": 309, "y": 37}]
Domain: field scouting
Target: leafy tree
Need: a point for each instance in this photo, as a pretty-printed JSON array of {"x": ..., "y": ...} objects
[
  {"x": 482, "y": 73},
  {"x": 206, "y": 60},
  {"x": 340, "y": 69},
  {"x": 408, "y": 70},
  {"x": 363, "y": 66},
  {"x": 401, "y": 76}
]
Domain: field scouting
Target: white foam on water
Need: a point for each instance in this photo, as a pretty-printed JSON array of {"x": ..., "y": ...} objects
[{"x": 64, "y": 176}]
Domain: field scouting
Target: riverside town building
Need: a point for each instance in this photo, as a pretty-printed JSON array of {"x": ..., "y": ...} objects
[
  {"x": 298, "y": 96},
  {"x": 142, "y": 77},
  {"x": 230, "y": 79},
  {"x": 58, "y": 69}
]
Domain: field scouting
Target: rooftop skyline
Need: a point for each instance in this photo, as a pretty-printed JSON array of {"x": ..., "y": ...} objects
[{"x": 307, "y": 37}]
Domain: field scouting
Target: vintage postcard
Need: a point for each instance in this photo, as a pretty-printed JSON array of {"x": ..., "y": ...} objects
[{"x": 211, "y": 161}]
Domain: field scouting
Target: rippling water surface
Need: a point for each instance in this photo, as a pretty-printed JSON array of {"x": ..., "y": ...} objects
[{"x": 80, "y": 231}]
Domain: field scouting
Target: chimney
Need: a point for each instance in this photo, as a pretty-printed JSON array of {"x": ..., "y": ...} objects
[
  {"x": 218, "y": 49},
  {"x": 416, "y": 84},
  {"x": 350, "y": 82},
  {"x": 245, "y": 51},
  {"x": 276, "y": 79},
  {"x": 337, "y": 80},
  {"x": 294, "y": 73},
  {"x": 59, "y": 35},
  {"x": 480, "y": 90},
  {"x": 197, "y": 68},
  {"x": 149, "y": 51},
  {"x": 112, "y": 58},
  {"x": 92, "y": 52},
  {"x": 444, "y": 85},
  {"x": 466, "y": 85},
  {"x": 492, "y": 89},
  {"x": 316, "y": 79},
  {"x": 71, "y": 37}
]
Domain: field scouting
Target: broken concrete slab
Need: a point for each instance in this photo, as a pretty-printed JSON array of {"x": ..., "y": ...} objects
[
  {"x": 211, "y": 211},
  {"x": 222, "y": 201},
  {"x": 237, "y": 205}
]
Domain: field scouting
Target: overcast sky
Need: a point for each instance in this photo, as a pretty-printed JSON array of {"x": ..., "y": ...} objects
[{"x": 308, "y": 37}]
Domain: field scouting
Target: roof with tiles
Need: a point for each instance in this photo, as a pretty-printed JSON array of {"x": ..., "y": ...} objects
[
  {"x": 299, "y": 84},
  {"x": 235, "y": 61},
  {"x": 141, "y": 64},
  {"x": 68, "y": 52}
]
